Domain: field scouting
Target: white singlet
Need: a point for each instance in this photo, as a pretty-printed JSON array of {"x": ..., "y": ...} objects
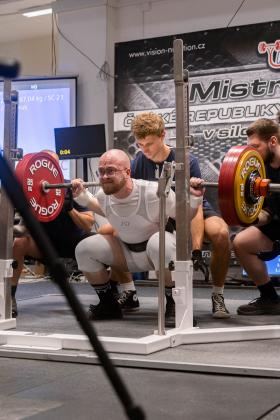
[{"x": 136, "y": 217}]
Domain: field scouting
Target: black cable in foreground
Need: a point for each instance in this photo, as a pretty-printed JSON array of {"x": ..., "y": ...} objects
[{"x": 59, "y": 275}]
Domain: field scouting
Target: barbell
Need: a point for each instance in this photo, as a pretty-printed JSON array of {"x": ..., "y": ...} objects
[{"x": 242, "y": 185}]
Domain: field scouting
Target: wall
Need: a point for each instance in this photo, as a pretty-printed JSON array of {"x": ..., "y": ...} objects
[
  {"x": 34, "y": 54},
  {"x": 167, "y": 17},
  {"x": 171, "y": 17},
  {"x": 86, "y": 29}
]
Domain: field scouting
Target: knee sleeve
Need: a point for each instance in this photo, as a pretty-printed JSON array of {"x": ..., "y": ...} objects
[
  {"x": 153, "y": 249},
  {"x": 93, "y": 254}
]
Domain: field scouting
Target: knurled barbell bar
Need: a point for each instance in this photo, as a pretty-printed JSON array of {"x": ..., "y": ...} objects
[
  {"x": 46, "y": 186},
  {"x": 242, "y": 185}
]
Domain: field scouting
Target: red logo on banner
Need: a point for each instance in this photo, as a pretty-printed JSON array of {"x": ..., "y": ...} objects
[{"x": 273, "y": 53}]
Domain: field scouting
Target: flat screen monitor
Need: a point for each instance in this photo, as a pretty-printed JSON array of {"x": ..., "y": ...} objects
[
  {"x": 85, "y": 141},
  {"x": 43, "y": 104}
]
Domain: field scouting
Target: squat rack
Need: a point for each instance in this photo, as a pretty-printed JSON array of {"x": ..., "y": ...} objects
[{"x": 184, "y": 332}]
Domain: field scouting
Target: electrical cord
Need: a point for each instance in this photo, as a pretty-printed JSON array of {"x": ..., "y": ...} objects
[
  {"x": 53, "y": 48},
  {"x": 237, "y": 10},
  {"x": 102, "y": 70}
]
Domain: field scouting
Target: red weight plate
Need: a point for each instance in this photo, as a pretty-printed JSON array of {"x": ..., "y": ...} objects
[
  {"x": 226, "y": 184},
  {"x": 32, "y": 171},
  {"x": 20, "y": 167}
]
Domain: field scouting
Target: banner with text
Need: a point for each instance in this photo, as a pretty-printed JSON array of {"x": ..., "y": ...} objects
[{"x": 234, "y": 80}]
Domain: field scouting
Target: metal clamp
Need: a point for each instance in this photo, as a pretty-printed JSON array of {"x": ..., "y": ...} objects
[
  {"x": 16, "y": 154},
  {"x": 165, "y": 181}
]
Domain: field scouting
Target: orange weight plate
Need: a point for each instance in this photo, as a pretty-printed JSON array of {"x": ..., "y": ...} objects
[{"x": 240, "y": 163}]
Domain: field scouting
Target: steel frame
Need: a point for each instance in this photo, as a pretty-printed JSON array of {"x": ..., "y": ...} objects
[
  {"x": 142, "y": 346},
  {"x": 141, "y": 362}
]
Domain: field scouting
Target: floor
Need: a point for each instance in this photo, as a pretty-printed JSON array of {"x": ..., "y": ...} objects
[{"x": 233, "y": 380}]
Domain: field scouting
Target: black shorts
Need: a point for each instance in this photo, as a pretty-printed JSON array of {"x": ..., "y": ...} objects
[
  {"x": 171, "y": 223},
  {"x": 66, "y": 248},
  {"x": 272, "y": 230},
  {"x": 209, "y": 213}
]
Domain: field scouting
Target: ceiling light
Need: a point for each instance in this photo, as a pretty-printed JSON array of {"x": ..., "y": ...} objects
[{"x": 38, "y": 12}]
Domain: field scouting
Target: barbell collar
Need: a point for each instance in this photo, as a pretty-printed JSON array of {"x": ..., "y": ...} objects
[{"x": 46, "y": 186}]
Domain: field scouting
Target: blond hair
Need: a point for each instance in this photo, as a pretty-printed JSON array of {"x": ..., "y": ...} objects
[{"x": 147, "y": 124}]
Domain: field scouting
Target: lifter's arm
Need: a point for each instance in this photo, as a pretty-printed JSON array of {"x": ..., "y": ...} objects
[
  {"x": 263, "y": 218},
  {"x": 197, "y": 229},
  {"x": 84, "y": 197},
  {"x": 83, "y": 219},
  {"x": 196, "y": 197}
]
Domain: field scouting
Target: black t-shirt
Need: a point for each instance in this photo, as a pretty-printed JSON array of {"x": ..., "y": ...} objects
[
  {"x": 144, "y": 168},
  {"x": 272, "y": 202},
  {"x": 64, "y": 233}
]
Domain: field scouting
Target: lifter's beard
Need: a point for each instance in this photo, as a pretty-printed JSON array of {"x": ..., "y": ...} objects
[
  {"x": 112, "y": 188},
  {"x": 269, "y": 157}
]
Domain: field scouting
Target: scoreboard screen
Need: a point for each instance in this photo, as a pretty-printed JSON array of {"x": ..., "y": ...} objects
[{"x": 85, "y": 141}]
